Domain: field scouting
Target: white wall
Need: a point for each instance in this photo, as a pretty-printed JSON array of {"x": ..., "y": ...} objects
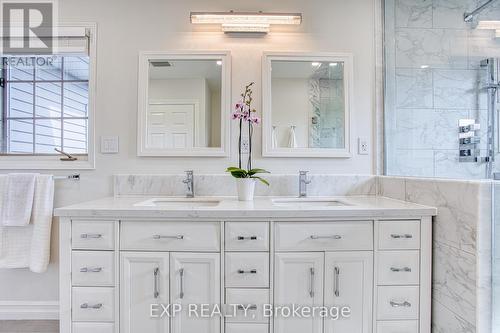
[
  {"x": 291, "y": 107},
  {"x": 126, "y": 27}
]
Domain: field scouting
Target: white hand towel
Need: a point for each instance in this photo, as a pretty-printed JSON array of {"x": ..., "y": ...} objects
[
  {"x": 18, "y": 200},
  {"x": 292, "y": 139},
  {"x": 274, "y": 138},
  {"x": 29, "y": 246}
]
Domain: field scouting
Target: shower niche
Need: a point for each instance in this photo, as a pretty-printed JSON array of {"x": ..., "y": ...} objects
[{"x": 306, "y": 104}]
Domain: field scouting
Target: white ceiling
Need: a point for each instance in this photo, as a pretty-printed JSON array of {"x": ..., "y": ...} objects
[
  {"x": 189, "y": 69},
  {"x": 305, "y": 70}
]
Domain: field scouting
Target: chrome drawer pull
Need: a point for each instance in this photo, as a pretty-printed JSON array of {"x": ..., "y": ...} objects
[
  {"x": 90, "y": 269},
  {"x": 404, "y": 304},
  {"x": 168, "y": 237},
  {"x": 407, "y": 236},
  {"x": 94, "y": 306},
  {"x": 91, "y": 236},
  {"x": 241, "y": 238},
  {"x": 336, "y": 288},
  {"x": 326, "y": 237},
  {"x": 404, "y": 269},
  {"x": 249, "y": 307},
  {"x": 252, "y": 271},
  {"x": 181, "y": 273},
  {"x": 311, "y": 282},
  {"x": 156, "y": 275}
]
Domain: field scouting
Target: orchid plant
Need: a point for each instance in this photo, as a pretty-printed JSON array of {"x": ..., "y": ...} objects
[{"x": 244, "y": 114}]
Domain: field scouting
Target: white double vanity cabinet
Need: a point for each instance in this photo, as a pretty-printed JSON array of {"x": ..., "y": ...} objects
[{"x": 120, "y": 262}]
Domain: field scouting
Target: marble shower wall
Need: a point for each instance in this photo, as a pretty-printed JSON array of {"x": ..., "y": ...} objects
[
  {"x": 433, "y": 79},
  {"x": 326, "y": 98},
  {"x": 461, "y": 248}
]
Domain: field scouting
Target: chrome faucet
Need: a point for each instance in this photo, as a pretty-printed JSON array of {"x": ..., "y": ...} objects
[
  {"x": 303, "y": 182},
  {"x": 189, "y": 181}
]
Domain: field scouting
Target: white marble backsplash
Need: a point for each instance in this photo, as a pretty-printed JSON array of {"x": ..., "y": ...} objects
[{"x": 224, "y": 185}]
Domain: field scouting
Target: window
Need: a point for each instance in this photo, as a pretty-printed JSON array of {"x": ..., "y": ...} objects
[{"x": 45, "y": 105}]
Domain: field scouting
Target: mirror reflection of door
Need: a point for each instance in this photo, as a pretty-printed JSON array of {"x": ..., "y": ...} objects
[
  {"x": 184, "y": 104},
  {"x": 172, "y": 125}
]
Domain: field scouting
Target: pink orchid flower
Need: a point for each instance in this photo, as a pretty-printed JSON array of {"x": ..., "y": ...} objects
[
  {"x": 255, "y": 120},
  {"x": 238, "y": 105}
]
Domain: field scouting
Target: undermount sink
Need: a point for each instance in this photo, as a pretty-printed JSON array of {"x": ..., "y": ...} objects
[
  {"x": 308, "y": 202},
  {"x": 178, "y": 203}
]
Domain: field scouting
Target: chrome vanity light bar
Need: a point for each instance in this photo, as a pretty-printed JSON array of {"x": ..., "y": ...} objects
[{"x": 259, "y": 22}]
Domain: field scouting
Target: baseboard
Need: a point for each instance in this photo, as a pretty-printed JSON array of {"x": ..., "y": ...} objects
[{"x": 29, "y": 310}]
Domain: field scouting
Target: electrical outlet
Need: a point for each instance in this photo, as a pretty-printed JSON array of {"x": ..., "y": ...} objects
[
  {"x": 245, "y": 146},
  {"x": 363, "y": 147}
]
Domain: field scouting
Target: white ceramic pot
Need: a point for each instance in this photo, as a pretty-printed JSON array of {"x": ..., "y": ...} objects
[{"x": 246, "y": 188}]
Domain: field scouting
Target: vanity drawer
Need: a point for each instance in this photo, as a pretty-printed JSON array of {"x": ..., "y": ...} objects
[
  {"x": 324, "y": 236},
  {"x": 93, "y": 328},
  {"x": 247, "y": 236},
  {"x": 93, "y": 235},
  {"x": 398, "y": 267},
  {"x": 252, "y": 299},
  {"x": 93, "y": 268},
  {"x": 398, "y": 303},
  {"x": 247, "y": 270},
  {"x": 93, "y": 303},
  {"x": 397, "y": 326},
  {"x": 395, "y": 235},
  {"x": 247, "y": 328},
  {"x": 170, "y": 236}
]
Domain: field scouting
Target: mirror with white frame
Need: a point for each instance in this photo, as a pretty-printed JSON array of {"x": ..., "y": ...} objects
[
  {"x": 306, "y": 105},
  {"x": 183, "y": 104}
]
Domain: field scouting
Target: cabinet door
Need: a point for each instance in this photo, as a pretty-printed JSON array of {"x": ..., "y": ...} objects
[
  {"x": 195, "y": 281},
  {"x": 144, "y": 280},
  {"x": 348, "y": 283},
  {"x": 298, "y": 281}
]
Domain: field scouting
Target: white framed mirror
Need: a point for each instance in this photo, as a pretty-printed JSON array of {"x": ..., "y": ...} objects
[
  {"x": 184, "y": 103},
  {"x": 306, "y": 104}
]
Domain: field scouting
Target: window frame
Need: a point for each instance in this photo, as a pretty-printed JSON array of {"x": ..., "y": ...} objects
[{"x": 53, "y": 162}]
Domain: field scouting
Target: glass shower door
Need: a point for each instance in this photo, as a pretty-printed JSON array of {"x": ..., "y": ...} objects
[{"x": 495, "y": 259}]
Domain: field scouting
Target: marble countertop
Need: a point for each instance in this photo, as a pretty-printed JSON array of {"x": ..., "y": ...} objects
[{"x": 261, "y": 207}]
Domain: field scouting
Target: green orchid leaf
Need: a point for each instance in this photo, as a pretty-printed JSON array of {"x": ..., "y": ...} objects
[
  {"x": 231, "y": 169},
  {"x": 256, "y": 171},
  {"x": 261, "y": 179},
  {"x": 238, "y": 174}
]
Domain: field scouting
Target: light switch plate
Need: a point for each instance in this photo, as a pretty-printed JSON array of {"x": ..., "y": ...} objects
[
  {"x": 363, "y": 146},
  {"x": 245, "y": 146},
  {"x": 109, "y": 145}
]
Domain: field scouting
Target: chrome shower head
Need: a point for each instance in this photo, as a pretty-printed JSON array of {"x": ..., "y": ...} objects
[{"x": 468, "y": 17}]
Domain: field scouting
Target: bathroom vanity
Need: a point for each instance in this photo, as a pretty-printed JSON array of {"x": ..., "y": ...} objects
[{"x": 118, "y": 256}]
